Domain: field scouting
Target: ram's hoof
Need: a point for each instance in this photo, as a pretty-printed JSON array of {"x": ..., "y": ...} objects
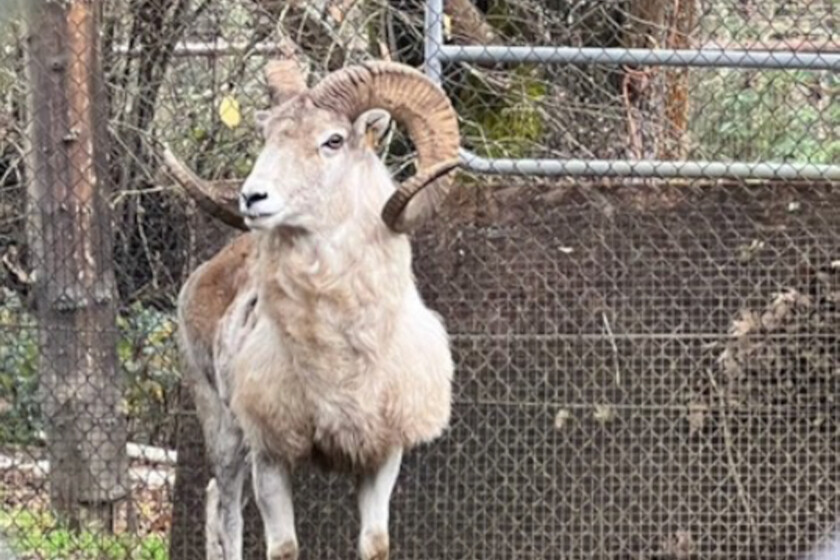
[
  {"x": 374, "y": 546},
  {"x": 286, "y": 551}
]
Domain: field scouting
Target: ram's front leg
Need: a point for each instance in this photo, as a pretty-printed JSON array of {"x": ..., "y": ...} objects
[
  {"x": 374, "y": 502},
  {"x": 223, "y": 523},
  {"x": 223, "y": 528},
  {"x": 273, "y": 491}
]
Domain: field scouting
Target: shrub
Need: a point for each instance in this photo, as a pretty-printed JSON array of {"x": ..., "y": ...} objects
[
  {"x": 39, "y": 535},
  {"x": 147, "y": 359}
]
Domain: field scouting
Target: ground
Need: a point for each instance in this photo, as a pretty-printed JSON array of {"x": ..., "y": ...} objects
[{"x": 34, "y": 534}]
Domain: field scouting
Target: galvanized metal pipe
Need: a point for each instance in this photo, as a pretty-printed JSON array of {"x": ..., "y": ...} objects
[
  {"x": 649, "y": 168},
  {"x": 434, "y": 40},
  {"x": 715, "y": 58}
]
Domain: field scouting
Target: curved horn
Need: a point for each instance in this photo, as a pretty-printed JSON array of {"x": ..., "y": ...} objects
[
  {"x": 286, "y": 77},
  {"x": 220, "y": 200},
  {"x": 427, "y": 113}
]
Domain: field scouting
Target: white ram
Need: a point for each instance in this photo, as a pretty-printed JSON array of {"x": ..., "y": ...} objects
[
  {"x": 830, "y": 550},
  {"x": 306, "y": 340}
]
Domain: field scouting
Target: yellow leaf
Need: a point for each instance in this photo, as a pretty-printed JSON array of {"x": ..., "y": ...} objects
[{"x": 229, "y": 112}]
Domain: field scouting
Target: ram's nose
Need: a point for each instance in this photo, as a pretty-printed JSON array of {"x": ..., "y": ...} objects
[{"x": 248, "y": 199}]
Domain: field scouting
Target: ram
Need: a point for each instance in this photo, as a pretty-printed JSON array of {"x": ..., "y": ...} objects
[{"x": 306, "y": 340}]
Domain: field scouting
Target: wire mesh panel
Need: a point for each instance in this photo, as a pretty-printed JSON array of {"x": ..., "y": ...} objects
[
  {"x": 641, "y": 373},
  {"x": 645, "y": 367}
]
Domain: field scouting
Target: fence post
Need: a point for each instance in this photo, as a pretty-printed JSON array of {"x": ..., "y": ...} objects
[{"x": 71, "y": 247}]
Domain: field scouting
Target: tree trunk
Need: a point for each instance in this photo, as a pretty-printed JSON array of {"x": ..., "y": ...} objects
[
  {"x": 643, "y": 89},
  {"x": 677, "y": 97},
  {"x": 469, "y": 27},
  {"x": 70, "y": 237}
]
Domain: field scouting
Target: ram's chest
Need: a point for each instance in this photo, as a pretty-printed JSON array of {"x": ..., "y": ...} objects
[
  {"x": 312, "y": 323},
  {"x": 304, "y": 385},
  {"x": 296, "y": 413}
]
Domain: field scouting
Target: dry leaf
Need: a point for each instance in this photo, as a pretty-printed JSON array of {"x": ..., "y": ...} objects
[
  {"x": 229, "y": 112},
  {"x": 604, "y": 413},
  {"x": 563, "y": 415},
  {"x": 679, "y": 545},
  {"x": 696, "y": 417}
]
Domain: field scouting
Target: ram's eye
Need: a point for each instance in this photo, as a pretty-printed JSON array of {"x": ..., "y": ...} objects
[{"x": 334, "y": 142}]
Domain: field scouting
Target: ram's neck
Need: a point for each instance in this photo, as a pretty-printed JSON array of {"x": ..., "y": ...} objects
[{"x": 341, "y": 292}]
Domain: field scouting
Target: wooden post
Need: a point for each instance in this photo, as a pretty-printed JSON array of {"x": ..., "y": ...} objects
[{"x": 70, "y": 240}]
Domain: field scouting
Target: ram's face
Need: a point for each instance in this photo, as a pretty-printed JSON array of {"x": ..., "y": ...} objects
[{"x": 302, "y": 178}]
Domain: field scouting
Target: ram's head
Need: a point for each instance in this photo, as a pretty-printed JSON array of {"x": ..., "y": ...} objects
[{"x": 315, "y": 138}]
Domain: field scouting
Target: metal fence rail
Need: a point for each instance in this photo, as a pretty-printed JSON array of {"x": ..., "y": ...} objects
[
  {"x": 651, "y": 168},
  {"x": 699, "y": 58}
]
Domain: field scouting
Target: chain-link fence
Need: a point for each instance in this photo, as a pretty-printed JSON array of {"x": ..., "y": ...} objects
[{"x": 645, "y": 367}]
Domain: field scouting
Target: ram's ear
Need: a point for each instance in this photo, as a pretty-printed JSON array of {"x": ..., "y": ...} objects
[{"x": 372, "y": 126}]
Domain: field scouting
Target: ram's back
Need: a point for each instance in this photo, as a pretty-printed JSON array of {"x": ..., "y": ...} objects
[{"x": 202, "y": 303}]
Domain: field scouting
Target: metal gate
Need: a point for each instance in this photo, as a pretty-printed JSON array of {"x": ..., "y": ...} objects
[{"x": 437, "y": 52}]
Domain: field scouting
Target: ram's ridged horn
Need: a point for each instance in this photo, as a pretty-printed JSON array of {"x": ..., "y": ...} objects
[
  {"x": 286, "y": 79},
  {"x": 423, "y": 108},
  {"x": 218, "y": 199}
]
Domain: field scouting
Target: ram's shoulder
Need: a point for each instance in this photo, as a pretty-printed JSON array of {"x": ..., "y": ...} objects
[{"x": 213, "y": 286}]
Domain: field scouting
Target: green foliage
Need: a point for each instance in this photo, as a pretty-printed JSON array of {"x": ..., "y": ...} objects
[
  {"x": 501, "y": 15},
  {"x": 508, "y": 124},
  {"x": 40, "y": 536},
  {"x": 10, "y": 9},
  {"x": 148, "y": 360},
  {"x": 772, "y": 116},
  {"x": 20, "y": 416}
]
